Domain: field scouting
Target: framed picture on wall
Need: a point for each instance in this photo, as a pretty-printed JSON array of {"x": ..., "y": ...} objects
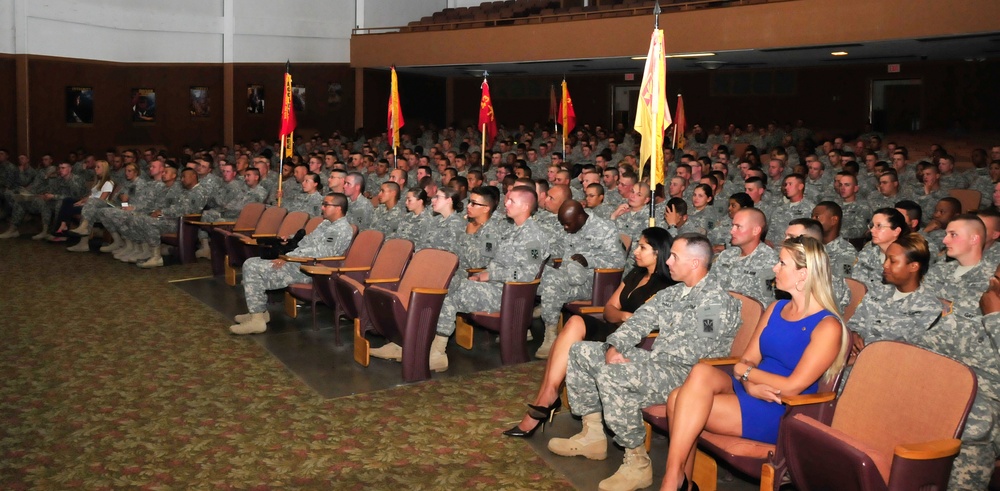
[
  {"x": 299, "y": 98},
  {"x": 200, "y": 104},
  {"x": 143, "y": 105},
  {"x": 255, "y": 99},
  {"x": 333, "y": 94},
  {"x": 80, "y": 105}
]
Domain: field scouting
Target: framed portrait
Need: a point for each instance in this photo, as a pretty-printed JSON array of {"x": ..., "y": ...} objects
[
  {"x": 143, "y": 105},
  {"x": 80, "y": 105},
  {"x": 201, "y": 106},
  {"x": 255, "y": 99},
  {"x": 334, "y": 94},
  {"x": 299, "y": 98}
]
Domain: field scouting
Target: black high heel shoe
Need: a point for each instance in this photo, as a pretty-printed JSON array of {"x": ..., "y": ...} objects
[
  {"x": 684, "y": 485},
  {"x": 541, "y": 414}
]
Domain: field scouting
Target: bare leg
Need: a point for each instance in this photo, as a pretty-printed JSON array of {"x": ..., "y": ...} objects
[
  {"x": 574, "y": 330},
  {"x": 705, "y": 400}
]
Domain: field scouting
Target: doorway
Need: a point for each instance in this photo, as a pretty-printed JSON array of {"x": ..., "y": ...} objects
[{"x": 897, "y": 105}]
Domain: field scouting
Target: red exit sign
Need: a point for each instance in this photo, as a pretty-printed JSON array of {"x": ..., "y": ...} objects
[{"x": 893, "y": 68}]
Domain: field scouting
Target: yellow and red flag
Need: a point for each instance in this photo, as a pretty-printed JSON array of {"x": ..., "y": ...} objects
[
  {"x": 653, "y": 115},
  {"x": 287, "y": 114},
  {"x": 395, "y": 111},
  {"x": 487, "y": 119},
  {"x": 567, "y": 115},
  {"x": 680, "y": 124}
]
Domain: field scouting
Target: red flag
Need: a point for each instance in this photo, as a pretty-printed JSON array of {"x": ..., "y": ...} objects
[
  {"x": 553, "y": 103},
  {"x": 287, "y": 113},
  {"x": 567, "y": 116},
  {"x": 680, "y": 124},
  {"x": 395, "y": 111},
  {"x": 487, "y": 120}
]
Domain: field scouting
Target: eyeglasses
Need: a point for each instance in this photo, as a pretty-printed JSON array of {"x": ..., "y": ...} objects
[
  {"x": 880, "y": 226},
  {"x": 328, "y": 204},
  {"x": 474, "y": 203}
]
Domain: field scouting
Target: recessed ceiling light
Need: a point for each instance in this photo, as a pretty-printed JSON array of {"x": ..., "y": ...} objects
[{"x": 839, "y": 53}]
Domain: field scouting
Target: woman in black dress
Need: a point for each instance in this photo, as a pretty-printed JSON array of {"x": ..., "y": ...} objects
[{"x": 648, "y": 277}]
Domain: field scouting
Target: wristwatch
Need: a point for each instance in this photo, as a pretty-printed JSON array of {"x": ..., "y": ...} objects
[{"x": 746, "y": 374}]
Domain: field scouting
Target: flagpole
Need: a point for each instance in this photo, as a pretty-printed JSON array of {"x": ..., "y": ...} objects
[
  {"x": 281, "y": 167},
  {"x": 652, "y": 163},
  {"x": 565, "y": 117}
]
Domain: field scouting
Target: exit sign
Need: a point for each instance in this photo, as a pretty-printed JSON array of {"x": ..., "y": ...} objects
[
  {"x": 893, "y": 68},
  {"x": 629, "y": 77}
]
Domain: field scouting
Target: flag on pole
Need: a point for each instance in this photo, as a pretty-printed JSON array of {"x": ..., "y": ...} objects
[
  {"x": 680, "y": 124},
  {"x": 653, "y": 115},
  {"x": 395, "y": 120},
  {"x": 487, "y": 120},
  {"x": 287, "y": 113},
  {"x": 567, "y": 116},
  {"x": 553, "y": 104}
]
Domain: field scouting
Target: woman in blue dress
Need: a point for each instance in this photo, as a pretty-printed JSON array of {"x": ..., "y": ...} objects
[{"x": 796, "y": 343}]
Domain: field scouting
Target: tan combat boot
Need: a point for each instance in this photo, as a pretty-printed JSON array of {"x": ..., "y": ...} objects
[
  {"x": 590, "y": 442},
  {"x": 546, "y": 347},
  {"x": 254, "y": 325},
  {"x": 634, "y": 473},
  {"x": 393, "y": 351},
  {"x": 439, "y": 359}
]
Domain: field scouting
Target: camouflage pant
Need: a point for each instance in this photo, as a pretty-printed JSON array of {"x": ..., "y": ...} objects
[
  {"x": 92, "y": 208},
  {"x": 975, "y": 462},
  {"x": 145, "y": 229},
  {"x": 570, "y": 282},
  {"x": 21, "y": 205},
  {"x": 260, "y": 275},
  {"x": 113, "y": 219},
  {"x": 468, "y": 296},
  {"x": 619, "y": 390}
]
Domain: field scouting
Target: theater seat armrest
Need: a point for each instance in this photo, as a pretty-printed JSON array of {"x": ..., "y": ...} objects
[
  {"x": 261, "y": 236},
  {"x": 805, "y": 399},
  {"x": 301, "y": 260},
  {"x": 728, "y": 360},
  {"x": 591, "y": 310},
  {"x": 929, "y": 450},
  {"x": 227, "y": 224},
  {"x": 354, "y": 269},
  {"x": 192, "y": 216},
  {"x": 430, "y": 291},
  {"x": 375, "y": 281},
  {"x": 200, "y": 223},
  {"x": 331, "y": 258},
  {"x": 317, "y": 270},
  {"x": 473, "y": 271},
  {"x": 248, "y": 241}
]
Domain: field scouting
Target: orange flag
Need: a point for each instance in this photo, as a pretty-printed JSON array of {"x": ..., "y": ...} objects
[
  {"x": 395, "y": 111},
  {"x": 487, "y": 120},
  {"x": 287, "y": 113},
  {"x": 680, "y": 124},
  {"x": 567, "y": 116}
]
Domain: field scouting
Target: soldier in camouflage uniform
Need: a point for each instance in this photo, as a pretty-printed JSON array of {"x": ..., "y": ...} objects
[
  {"x": 145, "y": 199},
  {"x": 593, "y": 244},
  {"x": 548, "y": 221},
  {"x": 695, "y": 318},
  {"x": 134, "y": 228},
  {"x": 594, "y": 201},
  {"x": 148, "y": 228},
  {"x": 856, "y": 213},
  {"x": 747, "y": 267},
  {"x": 797, "y": 206},
  {"x": 388, "y": 214},
  {"x": 842, "y": 254},
  {"x": 967, "y": 339},
  {"x": 887, "y": 225},
  {"x": 479, "y": 247},
  {"x": 446, "y": 226},
  {"x": 414, "y": 223},
  {"x": 362, "y": 211},
  {"x": 632, "y": 217},
  {"x": 310, "y": 199},
  {"x": 331, "y": 238},
  {"x": 519, "y": 258},
  {"x": 46, "y": 198}
]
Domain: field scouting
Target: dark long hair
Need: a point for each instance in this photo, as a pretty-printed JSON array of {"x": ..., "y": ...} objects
[{"x": 661, "y": 241}]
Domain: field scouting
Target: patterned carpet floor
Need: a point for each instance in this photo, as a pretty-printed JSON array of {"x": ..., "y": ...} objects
[{"x": 112, "y": 378}]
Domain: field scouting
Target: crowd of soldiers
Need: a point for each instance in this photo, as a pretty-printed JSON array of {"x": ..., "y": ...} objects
[{"x": 513, "y": 209}]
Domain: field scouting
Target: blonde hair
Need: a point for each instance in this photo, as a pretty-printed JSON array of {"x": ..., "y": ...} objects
[
  {"x": 102, "y": 177},
  {"x": 810, "y": 253}
]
